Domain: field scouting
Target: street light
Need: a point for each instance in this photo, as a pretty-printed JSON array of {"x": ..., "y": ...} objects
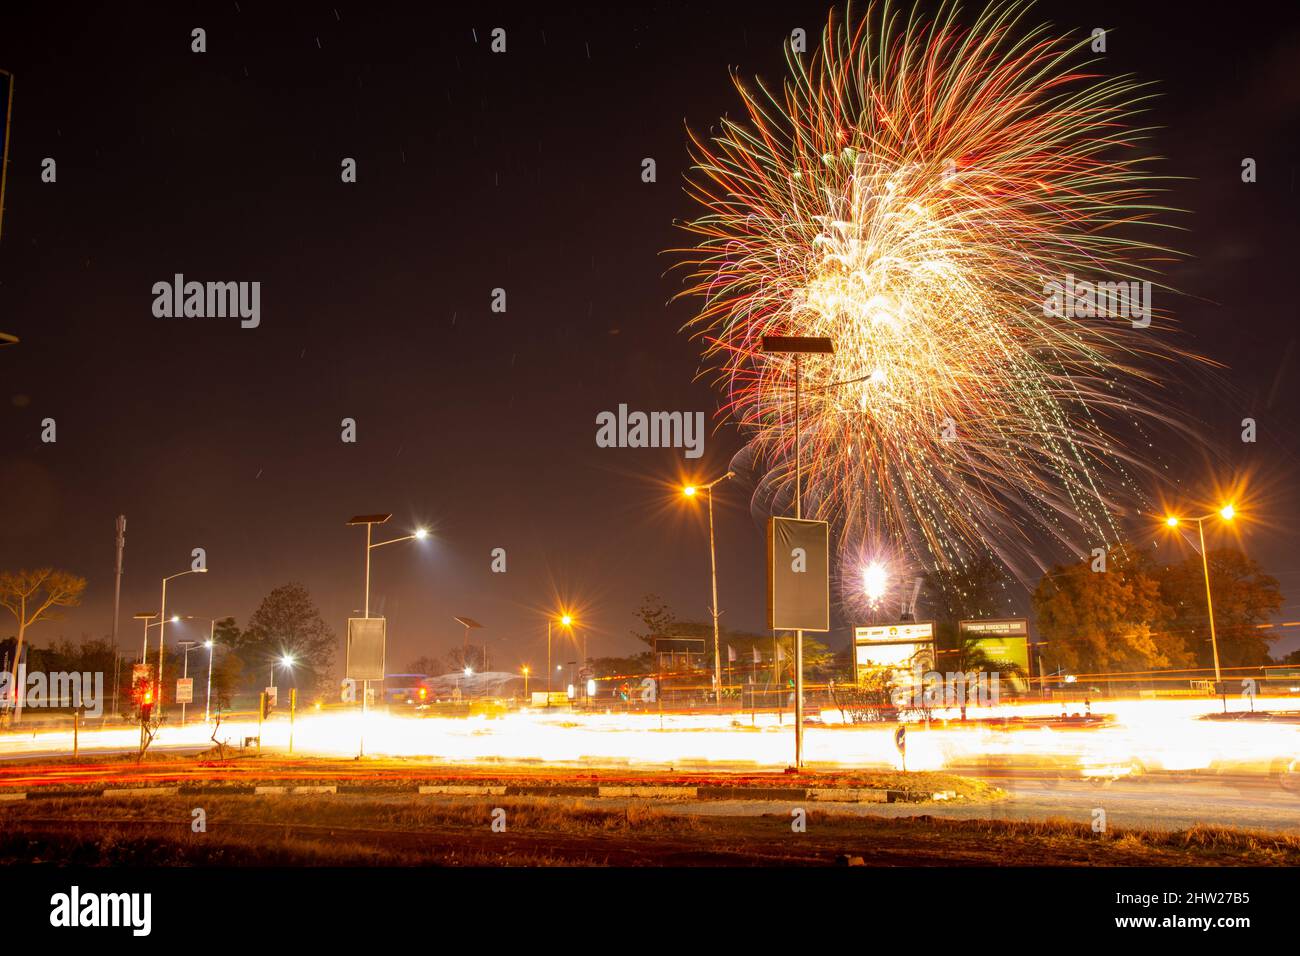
[
  {"x": 1227, "y": 513},
  {"x": 565, "y": 621},
  {"x": 690, "y": 491},
  {"x": 185, "y": 646},
  {"x": 162, "y": 628},
  {"x": 211, "y": 645},
  {"x": 369, "y": 521},
  {"x": 285, "y": 661},
  {"x": 525, "y": 672},
  {"x": 798, "y": 346}
]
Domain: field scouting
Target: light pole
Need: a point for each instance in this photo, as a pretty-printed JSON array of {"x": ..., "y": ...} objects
[
  {"x": 210, "y": 643},
  {"x": 186, "y": 645},
  {"x": 798, "y": 346},
  {"x": 162, "y": 628},
  {"x": 469, "y": 624},
  {"x": 207, "y": 700},
  {"x": 286, "y": 661},
  {"x": 690, "y": 491},
  {"x": 525, "y": 683},
  {"x": 369, "y": 521},
  {"x": 146, "y": 616},
  {"x": 565, "y": 621},
  {"x": 1227, "y": 513}
]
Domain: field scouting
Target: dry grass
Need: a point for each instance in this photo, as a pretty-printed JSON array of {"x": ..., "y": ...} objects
[{"x": 312, "y": 830}]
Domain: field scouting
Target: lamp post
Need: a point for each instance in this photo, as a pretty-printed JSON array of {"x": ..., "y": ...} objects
[
  {"x": 162, "y": 627},
  {"x": 798, "y": 346},
  {"x": 207, "y": 700},
  {"x": 690, "y": 491},
  {"x": 525, "y": 671},
  {"x": 369, "y": 521},
  {"x": 565, "y": 621},
  {"x": 1227, "y": 513},
  {"x": 185, "y": 646},
  {"x": 146, "y": 616}
]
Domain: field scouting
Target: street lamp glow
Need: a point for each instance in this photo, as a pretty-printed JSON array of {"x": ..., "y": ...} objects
[
  {"x": 1227, "y": 512},
  {"x": 421, "y": 533},
  {"x": 208, "y": 645},
  {"x": 287, "y": 660},
  {"x": 469, "y": 671},
  {"x": 689, "y": 491},
  {"x": 566, "y": 620},
  {"x": 1172, "y": 521}
]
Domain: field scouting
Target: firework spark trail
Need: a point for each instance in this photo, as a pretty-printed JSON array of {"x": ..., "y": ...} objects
[{"x": 909, "y": 194}]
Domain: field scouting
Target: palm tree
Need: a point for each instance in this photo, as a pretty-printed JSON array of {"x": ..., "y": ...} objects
[{"x": 969, "y": 655}]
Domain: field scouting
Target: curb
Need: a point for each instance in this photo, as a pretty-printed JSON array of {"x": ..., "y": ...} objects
[{"x": 669, "y": 792}]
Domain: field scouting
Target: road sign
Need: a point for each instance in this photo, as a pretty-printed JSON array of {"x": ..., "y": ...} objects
[
  {"x": 798, "y": 580},
  {"x": 900, "y": 738},
  {"x": 367, "y": 637},
  {"x": 185, "y": 690}
]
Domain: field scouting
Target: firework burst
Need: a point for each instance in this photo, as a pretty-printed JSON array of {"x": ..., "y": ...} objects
[{"x": 909, "y": 194}]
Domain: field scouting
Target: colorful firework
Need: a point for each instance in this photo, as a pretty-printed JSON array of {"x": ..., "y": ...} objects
[{"x": 911, "y": 194}]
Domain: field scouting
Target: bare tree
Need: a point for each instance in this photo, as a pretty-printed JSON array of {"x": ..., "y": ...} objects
[{"x": 33, "y": 596}]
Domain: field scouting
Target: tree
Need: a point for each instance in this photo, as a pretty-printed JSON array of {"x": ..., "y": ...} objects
[
  {"x": 1097, "y": 621},
  {"x": 1244, "y": 597},
  {"x": 33, "y": 596},
  {"x": 658, "y": 619},
  {"x": 287, "y": 622},
  {"x": 427, "y": 665}
]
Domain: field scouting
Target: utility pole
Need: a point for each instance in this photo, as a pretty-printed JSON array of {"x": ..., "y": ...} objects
[{"x": 117, "y": 603}]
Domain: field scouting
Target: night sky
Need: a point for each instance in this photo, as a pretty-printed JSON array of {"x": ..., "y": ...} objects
[{"x": 478, "y": 171}]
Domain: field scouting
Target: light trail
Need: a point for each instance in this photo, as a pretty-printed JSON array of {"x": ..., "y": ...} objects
[{"x": 1155, "y": 735}]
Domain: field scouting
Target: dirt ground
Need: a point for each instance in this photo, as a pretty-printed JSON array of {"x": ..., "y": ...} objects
[{"x": 413, "y": 830}]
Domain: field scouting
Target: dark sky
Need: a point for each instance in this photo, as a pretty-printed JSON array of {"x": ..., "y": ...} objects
[{"x": 478, "y": 171}]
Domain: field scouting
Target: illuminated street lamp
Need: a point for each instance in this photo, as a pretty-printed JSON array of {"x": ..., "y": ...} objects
[
  {"x": 286, "y": 661},
  {"x": 1226, "y": 513},
  {"x": 565, "y": 621},
  {"x": 370, "y": 521},
  {"x": 525, "y": 673},
  {"x": 185, "y": 646},
  {"x": 690, "y": 491},
  {"x": 162, "y": 626},
  {"x": 210, "y": 643}
]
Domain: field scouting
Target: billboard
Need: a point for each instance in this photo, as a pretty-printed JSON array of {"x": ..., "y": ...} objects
[
  {"x": 365, "y": 653},
  {"x": 1004, "y": 640},
  {"x": 876, "y": 633},
  {"x": 899, "y": 647},
  {"x": 798, "y": 581},
  {"x": 185, "y": 690}
]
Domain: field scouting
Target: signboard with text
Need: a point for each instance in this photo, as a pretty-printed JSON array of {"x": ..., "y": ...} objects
[{"x": 185, "y": 690}]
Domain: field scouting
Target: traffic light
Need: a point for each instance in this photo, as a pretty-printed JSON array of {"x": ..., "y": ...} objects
[{"x": 146, "y": 706}]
